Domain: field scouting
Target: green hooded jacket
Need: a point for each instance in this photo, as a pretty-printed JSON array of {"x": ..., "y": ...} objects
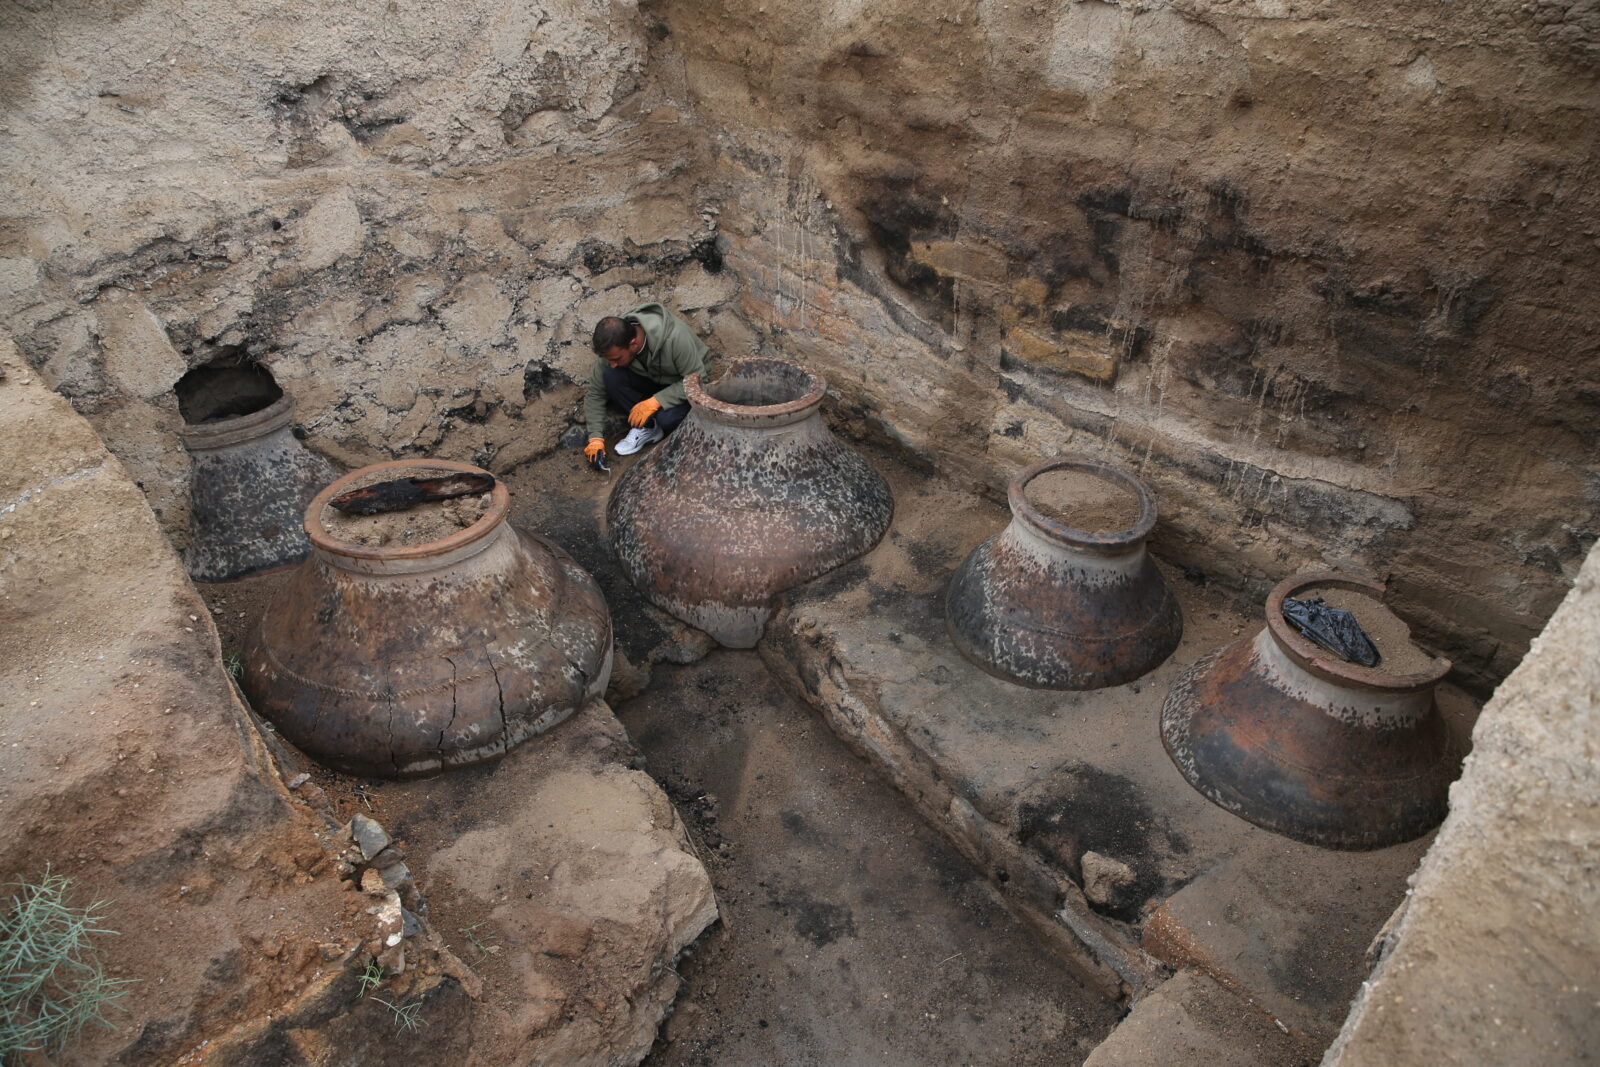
[{"x": 671, "y": 353}]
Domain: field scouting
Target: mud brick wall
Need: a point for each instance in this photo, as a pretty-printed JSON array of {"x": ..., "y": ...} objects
[{"x": 1316, "y": 271}]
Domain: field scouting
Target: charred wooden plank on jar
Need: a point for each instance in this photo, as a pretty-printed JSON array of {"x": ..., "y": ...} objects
[{"x": 402, "y": 493}]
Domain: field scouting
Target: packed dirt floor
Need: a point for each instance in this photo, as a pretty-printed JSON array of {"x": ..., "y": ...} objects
[{"x": 853, "y": 934}]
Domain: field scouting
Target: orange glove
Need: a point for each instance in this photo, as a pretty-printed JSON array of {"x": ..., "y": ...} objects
[
  {"x": 595, "y": 447},
  {"x": 643, "y": 411}
]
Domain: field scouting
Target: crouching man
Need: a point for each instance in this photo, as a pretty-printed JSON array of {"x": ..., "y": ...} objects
[{"x": 643, "y": 358}]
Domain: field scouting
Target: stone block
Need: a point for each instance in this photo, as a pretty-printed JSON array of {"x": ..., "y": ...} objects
[
  {"x": 139, "y": 356},
  {"x": 1061, "y": 356},
  {"x": 330, "y": 231},
  {"x": 477, "y": 312},
  {"x": 1190, "y": 1019},
  {"x": 970, "y": 260}
]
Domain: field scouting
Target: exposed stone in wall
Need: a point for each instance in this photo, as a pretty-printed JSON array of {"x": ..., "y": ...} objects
[
  {"x": 411, "y": 215},
  {"x": 1317, "y": 272},
  {"x": 1496, "y": 957}
]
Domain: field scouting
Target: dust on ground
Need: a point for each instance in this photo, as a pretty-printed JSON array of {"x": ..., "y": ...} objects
[{"x": 853, "y": 933}]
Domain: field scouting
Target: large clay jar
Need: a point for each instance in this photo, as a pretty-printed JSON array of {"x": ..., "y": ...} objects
[
  {"x": 751, "y": 496},
  {"x": 1050, "y": 606},
  {"x": 249, "y": 481},
  {"x": 397, "y": 661},
  {"x": 1282, "y": 733}
]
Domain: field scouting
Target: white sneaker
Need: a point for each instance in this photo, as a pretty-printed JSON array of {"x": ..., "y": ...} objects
[{"x": 637, "y": 439}]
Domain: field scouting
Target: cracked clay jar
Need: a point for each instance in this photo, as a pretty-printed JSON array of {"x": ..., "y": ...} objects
[{"x": 398, "y": 660}]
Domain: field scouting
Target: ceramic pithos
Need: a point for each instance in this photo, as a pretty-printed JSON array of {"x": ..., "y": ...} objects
[
  {"x": 751, "y": 496},
  {"x": 1282, "y": 733},
  {"x": 395, "y": 661},
  {"x": 1050, "y": 606},
  {"x": 249, "y": 482}
]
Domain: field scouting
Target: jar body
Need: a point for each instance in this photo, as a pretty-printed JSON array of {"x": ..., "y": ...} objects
[
  {"x": 743, "y": 502},
  {"x": 396, "y": 667},
  {"x": 1317, "y": 750},
  {"x": 1050, "y": 607},
  {"x": 249, "y": 482}
]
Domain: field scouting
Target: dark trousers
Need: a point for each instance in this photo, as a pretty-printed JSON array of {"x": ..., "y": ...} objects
[{"x": 626, "y": 389}]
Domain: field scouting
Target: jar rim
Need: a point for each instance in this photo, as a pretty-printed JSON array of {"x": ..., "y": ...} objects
[
  {"x": 1102, "y": 540},
  {"x": 499, "y": 508},
  {"x": 223, "y": 432},
  {"x": 1318, "y": 661},
  {"x": 697, "y": 390}
]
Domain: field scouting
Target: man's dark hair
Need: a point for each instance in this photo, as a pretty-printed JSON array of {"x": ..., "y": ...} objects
[{"x": 611, "y": 332}]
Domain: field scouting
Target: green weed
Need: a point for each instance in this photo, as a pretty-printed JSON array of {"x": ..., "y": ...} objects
[
  {"x": 52, "y": 982},
  {"x": 482, "y": 940},
  {"x": 407, "y": 1017},
  {"x": 371, "y": 976}
]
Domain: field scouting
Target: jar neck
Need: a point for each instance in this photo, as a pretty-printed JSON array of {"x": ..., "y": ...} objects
[
  {"x": 421, "y": 562},
  {"x": 1113, "y": 562},
  {"x": 799, "y": 425},
  {"x": 1363, "y": 706},
  {"x": 227, "y": 433}
]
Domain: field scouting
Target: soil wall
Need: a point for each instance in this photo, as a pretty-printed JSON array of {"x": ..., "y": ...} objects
[
  {"x": 1516, "y": 854},
  {"x": 1315, "y": 270},
  {"x": 411, "y": 214}
]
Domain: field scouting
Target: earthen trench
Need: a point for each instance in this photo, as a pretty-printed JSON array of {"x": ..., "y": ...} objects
[{"x": 710, "y": 725}]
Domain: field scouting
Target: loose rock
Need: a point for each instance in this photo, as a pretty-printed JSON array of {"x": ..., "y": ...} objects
[
  {"x": 368, "y": 836},
  {"x": 1104, "y": 878}
]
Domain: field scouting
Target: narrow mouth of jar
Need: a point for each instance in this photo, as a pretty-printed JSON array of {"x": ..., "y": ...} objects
[
  {"x": 325, "y": 540},
  {"x": 239, "y": 428},
  {"x": 758, "y": 388},
  {"x": 226, "y": 388},
  {"x": 1130, "y": 499},
  {"x": 1322, "y": 663}
]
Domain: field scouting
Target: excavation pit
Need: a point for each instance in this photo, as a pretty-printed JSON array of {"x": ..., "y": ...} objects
[
  {"x": 1274, "y": 266},
  {"x": 1062, "y": 805}
]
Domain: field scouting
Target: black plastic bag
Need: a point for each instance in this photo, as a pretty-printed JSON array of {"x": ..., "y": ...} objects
[{"x": 1333, "y": 628}]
